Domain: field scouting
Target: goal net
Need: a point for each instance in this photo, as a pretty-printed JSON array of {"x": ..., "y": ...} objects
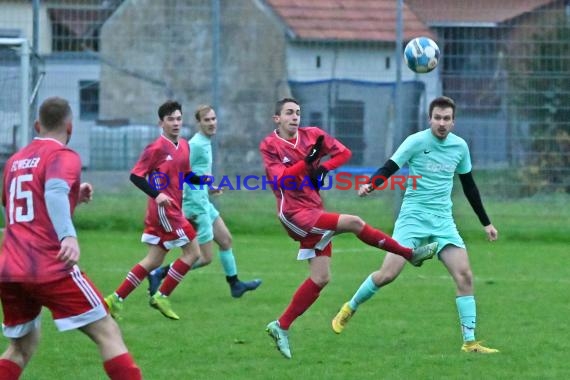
[{"x": 15, "y": 128}]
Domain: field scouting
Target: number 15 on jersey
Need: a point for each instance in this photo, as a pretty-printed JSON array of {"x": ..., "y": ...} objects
[{"x": 17, "y": 192}]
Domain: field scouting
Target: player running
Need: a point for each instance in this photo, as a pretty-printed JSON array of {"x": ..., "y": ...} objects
[
  {"x": 38, "y": 262},
  {"x": 161, "y": 164},
  {"x": 203, "y": 214}
]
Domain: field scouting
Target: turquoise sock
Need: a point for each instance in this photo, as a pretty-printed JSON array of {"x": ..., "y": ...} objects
[
  {"x": 467, "y": 316},
  {"x": 228, "y": 262},
  {"x": 367, "y": 289}
]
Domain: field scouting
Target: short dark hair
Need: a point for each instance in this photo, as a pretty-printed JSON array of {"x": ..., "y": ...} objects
[
  {"x": 442, "y": 102},
  {"x": 280, "y": 103},
  {"x": 167, "y": 108},
  {"x": 54, "y": 112}
]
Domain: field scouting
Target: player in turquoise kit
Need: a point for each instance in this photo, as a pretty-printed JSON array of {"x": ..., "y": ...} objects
[
  {"x": 294, "y": 158},
  {"x": 436, "y": 155},
  {"x": 203, "y": 214}
]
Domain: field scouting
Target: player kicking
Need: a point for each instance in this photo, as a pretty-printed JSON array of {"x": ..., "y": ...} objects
[
  {"x": 292, "y": 158},
  {"x": 436, "y": 155},
  {"x": 203, "y": 214},
  {"x": 160, "y": 164},
  {"x": 41, "y": 187}
]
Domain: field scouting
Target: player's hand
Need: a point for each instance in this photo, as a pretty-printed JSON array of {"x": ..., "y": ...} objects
[
  {"x": 69, "y": 251},
  {"x": 214, "y": 190},
  {"x": 492, "y": 233},
  {"x": 206, "y": 180},
  {"x": 163, "y": 200},
  {"x": 364, "y": 190},
  {"x": 315, "y": 150},
  {"x": 318, "y": 177},
  {"x": 85, "y": 192}
]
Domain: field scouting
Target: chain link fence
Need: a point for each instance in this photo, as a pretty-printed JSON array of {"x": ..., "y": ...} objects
[
  {"x": 506, "y": 66},
  {"x": 14, "y": 80}
]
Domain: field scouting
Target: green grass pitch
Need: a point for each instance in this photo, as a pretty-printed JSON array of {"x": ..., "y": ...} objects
[{"x": 409, "y": 330}]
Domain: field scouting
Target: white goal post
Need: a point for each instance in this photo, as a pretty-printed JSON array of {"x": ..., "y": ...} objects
[{"x": 15, "y": 88}]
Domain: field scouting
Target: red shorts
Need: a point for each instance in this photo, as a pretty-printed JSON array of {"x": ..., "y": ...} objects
[
  {"x": 313, "y": 229},
  {"x": 181, "y": 234},
  {"x": 73, "y": 301}
]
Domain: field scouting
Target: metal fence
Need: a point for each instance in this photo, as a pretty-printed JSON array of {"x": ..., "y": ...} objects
[
  {"x": 14, "y": 84},
  {"x": 116, "y": 61}
]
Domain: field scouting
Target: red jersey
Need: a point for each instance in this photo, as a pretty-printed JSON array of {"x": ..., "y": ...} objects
[
  {"x": 30, "y": 241},
  {"x": 165, "y": 164},
  {"x": 279, "y": 154}
]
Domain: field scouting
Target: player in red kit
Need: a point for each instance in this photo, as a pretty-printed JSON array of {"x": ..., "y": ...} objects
[
  {"x": 292, "y": 159},
  {"x": 38, "y": 263},
  {"x": 159, "y": 172}
]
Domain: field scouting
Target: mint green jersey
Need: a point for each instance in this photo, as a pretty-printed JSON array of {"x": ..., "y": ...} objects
[
  {"x": 436, "y": 161},
  {"x": 194, "y": 200}
]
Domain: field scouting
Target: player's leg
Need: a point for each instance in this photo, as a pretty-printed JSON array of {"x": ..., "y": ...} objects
[
  {"x": 202, "y": 224},
  {"x": 181, "y": 266},
  {"x": 314, "y": 229},
  {"x": 223, "y": 239},
  {"x": 75, "y": 303},
  {"x": 176, "y": 272},
  {"x": 391, "y": 267},
  {"x": 410, "y": 232},
  {"x": 153, "y": 259},
  {"x": 454, "y": 257},
  {"x": 155, "y": 278},
  {"x": 21, "y": 324},
  {"x": 309, "y": 290},
  {"x": 18, "y": 354},
  {"x": 456, "y": 261},
  {"x": 117, "y": 361},
  {"x": 378, "y": 239},
  {"x": 305, "y": 295}
]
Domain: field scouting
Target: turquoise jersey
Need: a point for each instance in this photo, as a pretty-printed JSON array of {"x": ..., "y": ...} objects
[
  {"x": 194, "y": 200},
  {"x": 436, "y": 161}
]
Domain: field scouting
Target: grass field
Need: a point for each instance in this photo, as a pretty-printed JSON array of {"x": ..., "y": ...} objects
[{"x": 408, "y": 331}]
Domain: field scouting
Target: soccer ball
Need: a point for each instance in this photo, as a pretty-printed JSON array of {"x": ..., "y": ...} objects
[{"x": 421, "y": 55}]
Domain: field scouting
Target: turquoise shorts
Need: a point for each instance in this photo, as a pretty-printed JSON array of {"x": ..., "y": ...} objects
[
  {"x": 203, "y": 222},
  {"x": 415, "y": 230}
]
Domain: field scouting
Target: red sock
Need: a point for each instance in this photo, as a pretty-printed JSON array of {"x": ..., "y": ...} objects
[
  {"x": 379, "y": 239},
  {"x": 122, "y": 367},
  {"x": 134, "y": 279},
  {"x": 303, "y": 298},
  {"x": 175, "y": 274},
  {"x": 9, "y": 370}
]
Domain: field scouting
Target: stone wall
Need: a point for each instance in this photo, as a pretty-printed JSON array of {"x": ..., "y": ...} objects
[{"x": 152, "y": 51}]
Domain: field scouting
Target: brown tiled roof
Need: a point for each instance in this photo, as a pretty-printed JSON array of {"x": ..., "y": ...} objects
[
  {"x": 346, "y": 20},
  {"x": 435, "y": 12}
]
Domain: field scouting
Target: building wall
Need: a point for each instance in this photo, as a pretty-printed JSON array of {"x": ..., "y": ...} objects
[
  {"x": 62, "y": 79},
  {"x": 362, "y": 62},
  {"x": 19, "y": 15},
  {"x": 154, "y": 51},
  {"x": 364, "y": 75}
]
